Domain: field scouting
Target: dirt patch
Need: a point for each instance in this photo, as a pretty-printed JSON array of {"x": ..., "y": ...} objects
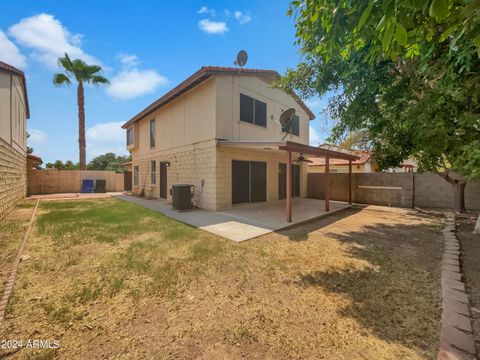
[
  {"x": 470, "y": 244},
  {"x": 359, "y": 284},
  {"x": 12, "y": 231}
]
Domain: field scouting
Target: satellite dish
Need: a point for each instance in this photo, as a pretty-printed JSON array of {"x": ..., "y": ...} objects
[
  {"x": 286, "y": 120},
  {"x": 242, "y": 58}
]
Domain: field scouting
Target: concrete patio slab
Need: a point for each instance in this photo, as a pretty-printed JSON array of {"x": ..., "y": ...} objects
[{"x": 243, "y": 222}]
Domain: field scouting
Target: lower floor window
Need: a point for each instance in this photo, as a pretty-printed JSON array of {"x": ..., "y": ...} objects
[
  {"x": 135, "y": 175},
  {"x": 153, "y": 170}
]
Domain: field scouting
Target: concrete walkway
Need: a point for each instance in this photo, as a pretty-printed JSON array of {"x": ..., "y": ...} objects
[
  {"x": 242, "y": 222},
  {"x": 70, "y": 196}
]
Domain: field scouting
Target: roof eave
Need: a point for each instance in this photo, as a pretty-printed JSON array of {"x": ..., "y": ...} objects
[{"x": 198, "y": 77}]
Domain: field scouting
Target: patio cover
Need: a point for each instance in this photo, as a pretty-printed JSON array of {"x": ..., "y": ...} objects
[{"x": 291, "y": 146}]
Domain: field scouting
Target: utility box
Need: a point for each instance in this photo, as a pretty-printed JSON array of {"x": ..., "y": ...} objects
[
  {"x": 87, "y": 186},
  {"x": 182, "y": 195},
  {"x": 101, "y": 186}
]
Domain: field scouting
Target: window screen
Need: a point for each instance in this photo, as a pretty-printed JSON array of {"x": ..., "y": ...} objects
[
  {"x": 260, "y": 113},
  {"x": 130, "y": 136},
  {"x": 135, "y": 175},
  {"x": 152, "y": 133},
  {"x": 295, "y": 126},
  {"x": 246, "y": 109},
  {"x": 253, "y": 111},
  {"x": 153, "y": 170}
]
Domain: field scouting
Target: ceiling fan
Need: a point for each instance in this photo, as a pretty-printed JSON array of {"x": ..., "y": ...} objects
[{"x": 301, "y": 159}]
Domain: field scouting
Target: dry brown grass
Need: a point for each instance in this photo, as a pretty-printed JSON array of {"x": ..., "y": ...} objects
[{"x": 356, "y": 285}]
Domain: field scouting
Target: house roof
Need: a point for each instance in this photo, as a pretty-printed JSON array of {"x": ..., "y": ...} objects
[
  {"x": 362, "y": 156},
  {"x": 198, "y": 77},
  {"x": 13, "y": 70},
  {"x": 34, "y": 159}
]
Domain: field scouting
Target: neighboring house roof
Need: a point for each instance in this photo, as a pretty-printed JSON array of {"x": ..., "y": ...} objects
[
  {"x": 21, "y": 74},
  {"x": 34, "y": 161},
  {"x": 363, "y": 156},
  {"x": 198, "y": 77}
]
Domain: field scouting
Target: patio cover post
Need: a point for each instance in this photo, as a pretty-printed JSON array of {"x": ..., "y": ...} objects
[
  {"x": 350, "y": 182},
  {"x": 327, "y": 183},
  {"x": 289, "y": 186}
]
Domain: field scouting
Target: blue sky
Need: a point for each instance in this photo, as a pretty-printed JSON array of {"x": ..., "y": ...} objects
[{"x": 145, "y": 47}]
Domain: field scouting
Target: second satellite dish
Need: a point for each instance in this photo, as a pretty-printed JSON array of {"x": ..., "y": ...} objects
[
  {"x": 286, "y": 119},
  {"x": 242, "y": 58}
]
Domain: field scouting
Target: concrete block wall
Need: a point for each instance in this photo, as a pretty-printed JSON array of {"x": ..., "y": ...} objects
[
  {"x": 391, "y": 189},
  {"x": 193, "y": 164},
  {"x": 13, "y": 176},
  {"x": 422, "y": 190},
  {"x": 338, "y": 186},
  {"x": 54, "y": 181},
  {"x": 433, "y": 191}
]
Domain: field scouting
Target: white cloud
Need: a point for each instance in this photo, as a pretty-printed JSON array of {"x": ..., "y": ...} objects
[
  {"x": 206, "y": 10},
  {"x": 242, "y": 17},
  {"x": 314, "y": 137},
  {"x": 128, "y": 60},
  {"x": 105, "y": 137},
  {"x": 132, "y": 83},
  {"x": 213, "y": 27},
  {"x": 10, "y": 54},
  {"x": 49, "y": 40},
  {"x": 37, "y": 138}
]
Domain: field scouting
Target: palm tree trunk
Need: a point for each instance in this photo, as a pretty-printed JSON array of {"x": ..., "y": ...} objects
[{"x": 81, "y": 125}]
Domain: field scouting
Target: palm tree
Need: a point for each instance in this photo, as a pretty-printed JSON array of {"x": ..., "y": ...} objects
[{"x": 83, "y": 73}]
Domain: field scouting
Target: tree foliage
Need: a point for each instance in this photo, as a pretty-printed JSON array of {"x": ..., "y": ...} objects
[
  {"x": 407, "y": 71},
  {"x": 109, "y": 161},
  {"x": 84, "y": 74}
]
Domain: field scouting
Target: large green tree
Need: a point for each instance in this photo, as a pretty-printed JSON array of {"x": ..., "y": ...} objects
[
  {"x": 109, "y": 161},
  {"x": 82, "y": 73},
  {"x": 407, "y": 72}
]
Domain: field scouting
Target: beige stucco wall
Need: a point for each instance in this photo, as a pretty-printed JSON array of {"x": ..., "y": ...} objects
[
  {"x": 225, "y": 155},
  {"x": 13, "y": 141},
  {"x": 189, "y": 119},
  {"x": 186, "y": 135},
  {"x": 13, "y": 120},
  {"x": 229, "y": 126},
  {"x": 52, "y": 181}
]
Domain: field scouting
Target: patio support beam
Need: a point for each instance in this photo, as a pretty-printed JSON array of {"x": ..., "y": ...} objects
[
  {"x": 350, "y": 182},
  {"x": 327, "y": 183},
  {"x": 289, "y": 186}
]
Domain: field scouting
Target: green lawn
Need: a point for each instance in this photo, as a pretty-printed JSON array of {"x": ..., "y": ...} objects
[{"x": 111, "y": 279}]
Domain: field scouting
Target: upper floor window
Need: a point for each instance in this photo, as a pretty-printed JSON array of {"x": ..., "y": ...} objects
[
  {"x": 253, "y": 111},
  {"x": 153, "y": 171},
  {"x": 152, "y": 133},
  {"x": 130, "y": 136},
  {"x": 295, "y": 126}
]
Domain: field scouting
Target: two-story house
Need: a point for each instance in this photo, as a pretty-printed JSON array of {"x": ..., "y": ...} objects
[
  {"x": 219, "y": 131},
  {"x": 14, "y": 113}
]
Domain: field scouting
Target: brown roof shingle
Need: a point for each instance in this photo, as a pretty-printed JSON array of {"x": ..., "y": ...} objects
[
  {"x": 199, "y": 76},
  {"x": 13, "y": 70}
]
